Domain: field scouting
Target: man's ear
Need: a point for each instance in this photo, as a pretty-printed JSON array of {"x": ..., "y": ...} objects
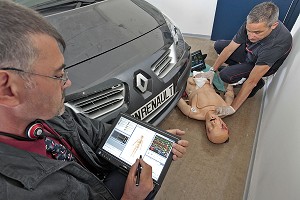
[
  {"x": 8, "y": 90},
  {"x": 274, "y": 25}
]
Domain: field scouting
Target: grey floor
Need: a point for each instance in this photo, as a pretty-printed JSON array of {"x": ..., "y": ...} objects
[{"x": 209, "y": 171}]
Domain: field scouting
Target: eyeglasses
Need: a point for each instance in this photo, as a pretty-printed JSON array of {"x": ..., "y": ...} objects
[{"x": 63, "y": 78}]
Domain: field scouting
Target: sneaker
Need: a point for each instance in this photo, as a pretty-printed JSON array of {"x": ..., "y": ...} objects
[
  {"x": 259, "y": 85},
  {"x": 239, "y": 84}
]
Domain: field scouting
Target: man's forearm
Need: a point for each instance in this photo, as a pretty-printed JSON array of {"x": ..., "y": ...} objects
[
  {"x": 220, "y": 60},
  {"x": 225, "y": 54},
  {"x": 255, "y": 75},
  {"x": 242, "y": 95}
]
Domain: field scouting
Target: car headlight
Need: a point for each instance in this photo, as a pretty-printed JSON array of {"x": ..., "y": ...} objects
[
  {"x": 179, "y": 45},
  {"x": 173, "y": 29}
]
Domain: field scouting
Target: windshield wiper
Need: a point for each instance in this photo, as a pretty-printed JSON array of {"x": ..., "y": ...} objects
[{"x": 56, "y": 3}]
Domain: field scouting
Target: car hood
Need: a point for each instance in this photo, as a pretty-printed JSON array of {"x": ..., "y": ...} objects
[{"x": 96, "y": 29}]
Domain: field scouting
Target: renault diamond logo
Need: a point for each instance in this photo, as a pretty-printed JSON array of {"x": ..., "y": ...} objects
[{"x": 141, "y": 82}]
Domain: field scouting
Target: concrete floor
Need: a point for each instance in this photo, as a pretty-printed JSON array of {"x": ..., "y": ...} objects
[{"x": 209, "y": 171}]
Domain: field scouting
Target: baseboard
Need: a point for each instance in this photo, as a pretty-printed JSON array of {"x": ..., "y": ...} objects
[{"x": 196, "y": 35}]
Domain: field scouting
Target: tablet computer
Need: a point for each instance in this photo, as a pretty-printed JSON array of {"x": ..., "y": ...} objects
[{"x": 128, "y": 138}]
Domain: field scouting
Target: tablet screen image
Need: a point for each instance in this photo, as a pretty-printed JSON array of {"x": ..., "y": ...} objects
[{"x": 130, "y": 138}]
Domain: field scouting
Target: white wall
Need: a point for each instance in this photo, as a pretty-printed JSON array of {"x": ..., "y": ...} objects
[
  {"x": 193, "y": 17},
  {"x": 274, "y": 172}
]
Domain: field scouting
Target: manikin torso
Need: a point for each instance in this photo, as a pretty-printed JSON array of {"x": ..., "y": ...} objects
[{"x": 201, "y": 100}]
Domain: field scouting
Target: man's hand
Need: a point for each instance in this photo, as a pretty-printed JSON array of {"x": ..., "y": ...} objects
[
  {"x": 223, "y": 111},
  {"x": 145, "y": 186},
  {"x": 179, "y": 149},
  {"x": 209, "y": 75}
]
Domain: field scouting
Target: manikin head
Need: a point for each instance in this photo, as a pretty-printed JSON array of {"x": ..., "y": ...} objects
[
  {"x": 216, "y": 130},
  {"x": 261, "y": 20}
]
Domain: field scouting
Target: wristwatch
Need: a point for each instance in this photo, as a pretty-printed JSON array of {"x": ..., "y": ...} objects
[{"x": 212, "y": 69}]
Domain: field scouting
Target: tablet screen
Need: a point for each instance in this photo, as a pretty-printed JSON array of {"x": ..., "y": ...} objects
[{"x": 129, "y": 139}]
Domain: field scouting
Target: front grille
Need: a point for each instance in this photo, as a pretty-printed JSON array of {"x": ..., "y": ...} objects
[
  {"x": 100, "y": 103},
  {"x": 165, "y": 63}
]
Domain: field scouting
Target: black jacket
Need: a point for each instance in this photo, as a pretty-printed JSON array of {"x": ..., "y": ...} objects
[{"x": 26, "y": 175}]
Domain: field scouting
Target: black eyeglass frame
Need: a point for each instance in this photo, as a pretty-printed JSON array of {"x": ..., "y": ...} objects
[{"x": 64, "y": 78}]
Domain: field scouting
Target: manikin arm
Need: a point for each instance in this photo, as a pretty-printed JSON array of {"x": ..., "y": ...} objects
[
  {"x": 229, "y": 95},
  {"x": 184, "y": 107},
  {"x": 223, "y": 111},
  {"x": 189, "y": 111}
]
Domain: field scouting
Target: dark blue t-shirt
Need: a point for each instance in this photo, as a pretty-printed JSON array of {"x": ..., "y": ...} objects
[{"x": 268, "y": 50}]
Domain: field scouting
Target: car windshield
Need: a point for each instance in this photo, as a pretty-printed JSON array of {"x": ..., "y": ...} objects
[{"x": 44, "y": 4}]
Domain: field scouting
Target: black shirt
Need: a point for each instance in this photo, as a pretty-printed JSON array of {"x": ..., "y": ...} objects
[{"x": 268, "y": 50}]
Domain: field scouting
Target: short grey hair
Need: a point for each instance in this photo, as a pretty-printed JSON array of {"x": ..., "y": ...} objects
[
  {"x": 266, "y": 12},
  {"x": 17, "y": 25}
]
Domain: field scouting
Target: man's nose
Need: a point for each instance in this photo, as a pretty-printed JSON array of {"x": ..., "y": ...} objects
[
  {"x": 68, "y": 83},
  {"x": 250, "y": 36}
]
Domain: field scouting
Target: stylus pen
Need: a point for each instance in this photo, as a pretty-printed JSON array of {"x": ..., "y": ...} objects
[{"x": 138, "y": 174}]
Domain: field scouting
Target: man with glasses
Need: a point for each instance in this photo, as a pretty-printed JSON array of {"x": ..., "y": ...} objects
[
  {"x": 257, "y": 50},
  {"x": 47, "y": 150}
]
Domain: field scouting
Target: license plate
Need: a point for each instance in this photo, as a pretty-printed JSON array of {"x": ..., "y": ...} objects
[{"x": 154, "y": 103}]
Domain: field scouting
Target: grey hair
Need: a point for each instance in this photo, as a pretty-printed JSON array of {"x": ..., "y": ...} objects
[
  {"x": 266, "y": 12},
  {"x": 17, "y": 25}
]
